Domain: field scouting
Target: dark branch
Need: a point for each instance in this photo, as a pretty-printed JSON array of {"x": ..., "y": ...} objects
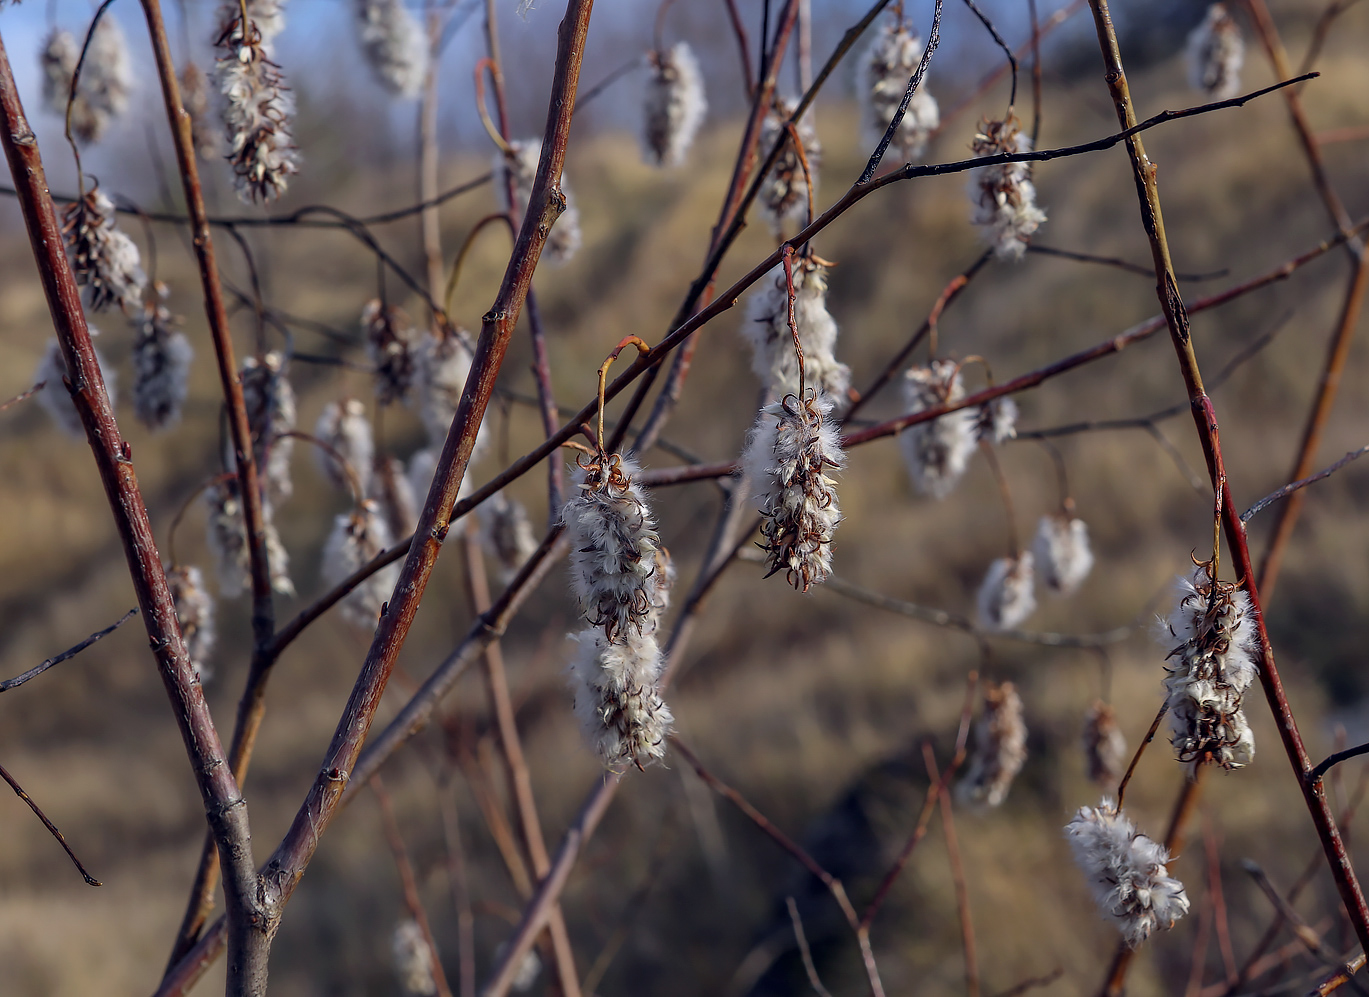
[{"x": 70, "y": 652}]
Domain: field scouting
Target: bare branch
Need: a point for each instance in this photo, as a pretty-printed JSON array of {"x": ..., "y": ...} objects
[
  {"x": 52, "y": 828},
  {"x": 70, "y": 652}
]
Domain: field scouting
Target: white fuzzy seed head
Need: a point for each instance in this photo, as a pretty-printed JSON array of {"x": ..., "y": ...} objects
[
  {"x": 614, "y": 685},
  {"x": 784, "y": 191},
  {"x": 766, "y": 328},
  {"x": 565, "y": 238},
  {"x": 343, "y": 426},
  {"x": 886, "y": 66},
  {"x": 1000, "y": 748},
  {"x": 55, "y": 399},
  {"x": 1209, "y": 671},
  {"x": 1126, "y": 872},
  {"x": 270, "y": 403},
  {"x": 58, "y": 60},
  {"x": 391, "y": 345},
  {"x": 258, "y": 106},
  {"x": 390, "y": 487},
  {"x": 104, "y": 259},
  {"x": 1216, "y": 52},
  {"x": 1007, "y": 596},
  {"x": 506, "y": 533},
  {"x": 395, "y": 45},
  {"x": 442, "y": 364},
  {"x": 356, "y": 538},
  {"x": 613, "y": 548},
  {"x": 996, "y": 421},
  {"x": 1105, "y": 746},
  {"x": 674, "y": 106},
  {"x": 195, "y": 611},
  {"x": 1062, "y": 552},
  {"x": 937, "y": 452},
  {"x": 787, "y": 456},
  {"x": 161, "y": 364},
  {"x": 226, "y": 537},
  {"x": 413, "y": 959},
  {"x": 106, "y": 78},
  {"x": 1003, "y": 196}
]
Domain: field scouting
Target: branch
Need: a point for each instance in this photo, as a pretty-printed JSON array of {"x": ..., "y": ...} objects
[
  {"x": 52, "y": 828},
  {"x": 1289, "y": 489},
  {"x": 70, "y": 652}
]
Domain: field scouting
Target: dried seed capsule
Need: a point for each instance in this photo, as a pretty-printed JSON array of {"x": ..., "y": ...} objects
[
  {"x": 56, "y": 399},
  {"x": 784, "y": 191},
  {"x": 885, "y": 70},
  {"x": 506, "y": 533},
  {"x": 675, "y": 105},
  {"x": 357, "y": 537},
  {"x": 565, "y": 238},
  {"x": 1126, "y": 872},
  {"x": 766, "y": 328},
  {"x": 1216, "y": 52},
  {"x": 270, "y": 403},
  {"x": 1003, "y": 196},
  {"x": 104, "y": 259},
  {"x": 394, "y": 44},
  {"x": 195, "y": 612},
  {"x": 258, "y": 106},
  {"x": 413, "y": 958},
  {"x": 787, "y": 455},
  {"x": 1105, "y": 746},
  {"x": 1061, "y": 549},
  {"x": 161, "y": 365},
  {"x": 937, "y": 452},
  {"x": 391, "y": 345},
  {"x": 614, "y": 684},
  {"x": 227, "y": 540},
  {"x": 1006, "y": 598},
  {"x": 1000, "y": 747},
  {"x": 344, "y": 427}
]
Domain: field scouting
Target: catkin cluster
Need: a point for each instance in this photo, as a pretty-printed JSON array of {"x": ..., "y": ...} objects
[
  {"x": 1126, "y": 872},
  {"x": 1216, "y": 52},
  {"x": 1210, "y": 670},
  {"x": 356, "y": 538},
  {"x": 1003, "y": 196},
  {"x": 394, "y": 44},
  {"x": 938, "y": 451},
  {"x": 674, "y": 105},
  {"x": 161, "y": 364},
  {"x": 104, "y": 259},
  {"x": 106, "y": 78},
  {"x": 257, "y": 104},
  {"x": 270, "y": 403},
  {"x": 784, "y": 191},
  {"x": 766, "y": 328},
  {"x": 1062, "y": 553},
  {"x": 1000, "y": 747},
  {"x": 520, "y": 165},
  {"x": 886, "y": 67}
]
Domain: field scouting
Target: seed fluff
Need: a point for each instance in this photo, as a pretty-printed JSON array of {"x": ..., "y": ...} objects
[
  {"x": 565, "y": 238},
  {"x": 344, "y": 427},
  {"x": 1216, "y": 52},
  {"x": 357, "y": 537},
  {"x": 258, "y": 106},
  {"x": 1006, "y": 598},
  {"x": 1063, "y": 556},
  {"x": 104, "y": 259},
  {"x": 395, "y": 45},
  {"x": 674, "y": 107},
  {"x": 161, "y": 364},
  {"x": 885, "y": 69},
  {"x": 1000, "y": 747},
  {"x": 1003, "y": 196},
  {"x": 937, "y": 452},
  {"x": 766, "y": 328},
  {"x": 784, "y": 192}
]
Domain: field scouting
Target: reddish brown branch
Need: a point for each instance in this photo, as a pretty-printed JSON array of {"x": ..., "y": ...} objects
[{"x": 962, "y": 893}]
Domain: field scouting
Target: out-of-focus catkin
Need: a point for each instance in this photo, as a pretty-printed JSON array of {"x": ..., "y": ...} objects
[
  {"x": 674, "y": 105},
  {"x": 1007, "y": 596},
  {"x": 766, "y": 328},
  {"x": 161, "y": 364},
  {"x": 1126, "y": 872},
  {"x": 1003, "y": 196},
  {"x": 521, "y": 164},
  {"x": 391, "y": 488},
  {"x": 938, "y": 451},
  {"x": 391, "y": 346},
  {"x": 270, "y": 403},
  {"x": 343, "y": 426},
  {"x": 258, "y": 106},
  {"x": 55, "y": 399},
  {"x": 1062, "y": 552},
  {"x": 204, "y": 133},
  {"x": 226, "y": 537},
  {"x": 413, "y": 959},
  {"x": 356, "y": 538},
  {"x": 1105, "y": 746},
  {"x": 506, "y": 533},
  {"x": 395, "y": 45},
  {"x": 1000, "y": 747},
  {"x": 1216, "y": 52},
  {"x": 886, "y": 66},
  {"x": 784, "y": 191},
  {"x": 195, "y": 612},
  {"x": 104, "y": 259}
]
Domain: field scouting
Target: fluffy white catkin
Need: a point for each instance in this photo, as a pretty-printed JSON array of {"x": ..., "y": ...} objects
[
  {"x": 391, "y": 346},
  {"x": 106, "y": 78},
  {"x": 441, "y": 365},
  {"x": 996, "y": 421},
  {"x": 1062, "y": 553},
  {"x": 1126, "y": 872},
  {"x": 784, "y": 191},
  {"x": 1007, "y": 596},
  {"x": 356, "y": 538},
  {"x": 1209, "y": 671},
  {"x": 413, "y": 959},
  {"x": 58, "y": 60},
  {"x": 226, "y": 537},
  {"x": 506, "y": 533},
  {"x": 344, "y": 427},
  {"x": 258, "y": 107},
  {"x": 788, "y": 453},
  {"x": 104, "y": 259},
  {"x": 195, "y": 612},
  {"x": 674, "y": 105},
  {"x": 1000, "y": 747},
  {"x": 613, "y": 684},
  {"x": 937, "y": 452},
  {"x": 766, "y": 328},
  {"x": 394, "y": 44},
  {"x": 1003, "y": 196},
  {"x": 55, "y": 399},
  {"x": 270, "y": 403},
  {"x": 1216, "y": 52},
  {"x": 886, "y": 66},
  {"x": 161, "y": 365},
  {"x": 1105, "y": 746},
  {"x": 565, "y": 238},
  {"x": 390, "y": 487}
]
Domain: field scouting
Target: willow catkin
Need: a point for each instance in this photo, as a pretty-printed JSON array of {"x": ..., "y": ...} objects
[
  {"x": 674, "y": 105},
  {"x": 226, "y": 537},
  {"x": 343, "y": 426},
  {"x": 506, "y": 533},
  {"x": 1126, "y": 872},
  {"x": 1210, "y": 670},
  {"x": 195, "y": 613},
  {"x": 391, "y": 346},
  {"x": 104, "y": 259},
  {"x": 55, "y": 399},
  {"x": 442, "y": 363},
  {"x": 270, "y": 403},
  {"x": 996, "y": 421},
  {"x": 1216, "y": 52},
  {"x": 413, "y": 960},
  {"x": 790, "y": 449},
  {"x": 356, "y": 538},
  {"x": 1000, "y": 747},
  {"x": 258, "y": 107},
  {"x": 1105, "y": 746},
  {"x": 391, "y": 488},
  {"x": 784, "y": 191},
  {"x": 204, "y": 133},
  {"x": 395, "y": 45},
  {"x": 58, "y": 59},
  {"x": 614, "y": 689},
  {"x": 520, "y": 164},
  {"x": 1061, "y": 549},
  {"x": 106, "y": 78},
  {"x": 1007, "y": 596},
  {"x": 1003, "y": 196},
  {"x": 885, "y": 69},
  {"x": 766, "y": 328},
  {"x": 161, "y": 364},
  {"x": 938, "y": 451}
]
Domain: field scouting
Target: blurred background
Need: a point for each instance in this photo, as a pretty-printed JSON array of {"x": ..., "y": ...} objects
[{"x": 813, "y": 706}]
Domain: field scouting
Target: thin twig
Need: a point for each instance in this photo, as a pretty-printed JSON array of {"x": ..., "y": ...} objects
[
  {"x": 52, "y": 828},
  {"x": 804, "y": 952},
  {"x": 70, "y": 652},
  {"x": 24, "y": 394},
  {"x": 1120, "y": 264},
  {"x": 962, "y": 893},
  {"x": 1289, "y": 489}
]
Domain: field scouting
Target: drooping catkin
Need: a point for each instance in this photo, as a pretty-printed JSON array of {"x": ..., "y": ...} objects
[
  {"x": 204, "y": 132},
  {"x": 391, "y": 346},
  {"x": 344, "y": 427},
  {"x": 161, "y": 364},
  {"x": 413, "y": 960},
  {"x": 1007, "y": 596},
  {"x": 614, "y": 687},
  {"x": 1061, "y": 549},
  {"x": 1210, "y": 670},
  {"x": 195, "y": 612},
  {"x": 442, "y": 364},
  {"x": 395, "y": 45},
  {"x": 938, "y": 451},
  {"x": 790, "y": 448},
  {"x": 886, "y": 67},
  {"x": 267, "y": 15},
  {"x": 996, "y": 420},
  {"x": 766, "y": 328},
  {"x": 784, "y": 191},
  {"x": 258, "y": 107},
  {"x": 1000, "y": 748},
  {"x": 106, "y": 78},
  {"x": 422, "y": 467},
  {"x": 270, "y": 403},
  {"x": 58, "y": 60},
  {"x": 104, "y": 259},
  {"x": 356, "y": 538},
  {"x": 674, "y": 106},
  {"x": 1105, "y": 746},
  {"x": 506, "y": 533},
  {"x": 390, "y": 487},
  {"x": 56, "y": 399},
  {"x": 613, "y": 548},
  {"x": 565, "y": 237},
  {"x": 1003, "y": 196},
  {"x": 1126, "y": 872},
  {"x": 1216, "y": 52},
  {"x": 226, "y": 531}
]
